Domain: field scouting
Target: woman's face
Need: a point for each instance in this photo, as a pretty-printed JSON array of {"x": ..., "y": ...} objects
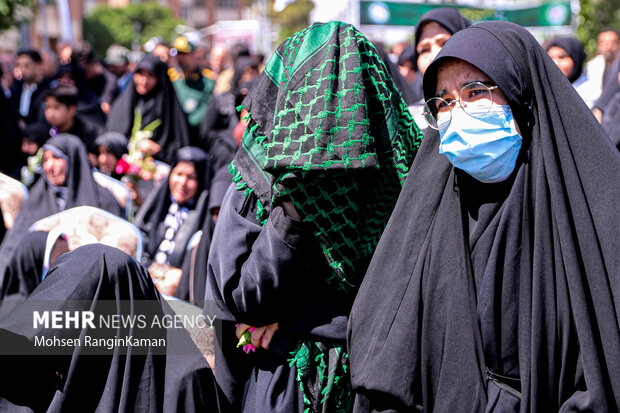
[
  {"x": 561, "y": 58},
  {"x": 144, "y": 81},
  {"x": 55, "y": 168},
  {"x": 432, "y": 38},
  {"x": 455, "y": 73},
  {"x": 106, "y": 159},
  {"x": 183, "y": 182},
  {"x": 249, "y": 73}
]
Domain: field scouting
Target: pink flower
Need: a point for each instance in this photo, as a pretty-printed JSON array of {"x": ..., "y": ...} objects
[
  {"x": 245, "y": 341},
  {"x": 122, "y": 166}
]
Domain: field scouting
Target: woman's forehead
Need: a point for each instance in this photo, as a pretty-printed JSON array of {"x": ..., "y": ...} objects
[
  {"x": 457, "y": 72},
  {"x": 431, "y": 29},
  {"x": 185, "y": 166}
]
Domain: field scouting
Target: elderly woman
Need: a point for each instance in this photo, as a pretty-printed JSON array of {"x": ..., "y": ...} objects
[
  {"x": 495, "y": 285},
  {"x": 173, "y": 213},
  {"x": 67, "y": 183},
  {"x": 151, "y": 92}
]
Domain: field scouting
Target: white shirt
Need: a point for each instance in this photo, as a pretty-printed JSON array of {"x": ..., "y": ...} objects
[{"x": 24, "y": 100}]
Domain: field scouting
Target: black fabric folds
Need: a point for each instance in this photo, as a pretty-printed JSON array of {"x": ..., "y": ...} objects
[
  {"x": 150, "y": 218},
  {"x": 25, "y": 268},
  {"x": 152, "y": 378},
  {"x": 410, "y": 95},
  {"x": 499, "y": 297},
  {"x": 194, "y": 280},
  {"x": 161, "y": 103},
  {"x": 575, "y": 50},
  {"x": 11, "y": 157}
]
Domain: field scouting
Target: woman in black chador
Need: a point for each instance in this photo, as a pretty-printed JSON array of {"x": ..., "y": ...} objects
[
  {"x": 67, "y": 182},
  {"x": 495, "y": 285},
  {"x": 163, "y": 372},
  {"x": 176, "y": 210},
  {"x": 152, "y": 93}
]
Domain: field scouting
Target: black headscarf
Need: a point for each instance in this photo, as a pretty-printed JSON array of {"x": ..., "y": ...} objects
[
  {"x": 161, "y": 103},
  {"x": 25, "y": 268},
  {"x": 449, "y": 18},
  {"x": 407, "y": 89},
  {"x": 520, "y": 277},
  {"x": 150, "y": 218},
  {"x": 115, "y": 142},
  {"x": 575, "y": 50},
  {"x": 79, "y": 189},
  {"x": 148, "y": 378}
]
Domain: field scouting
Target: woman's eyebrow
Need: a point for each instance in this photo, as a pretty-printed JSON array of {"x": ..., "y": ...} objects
[
  {"x": 483, "y": 81},
  {"x": 441, "y": 93}
]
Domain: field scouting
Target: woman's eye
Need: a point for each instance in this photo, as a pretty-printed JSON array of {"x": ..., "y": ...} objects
[
  {"x": 477, "y": 93},
  {"x": 444, "y": 105}
]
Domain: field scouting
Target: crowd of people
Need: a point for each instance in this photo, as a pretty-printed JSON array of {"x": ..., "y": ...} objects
[{"x": 426, "y": 227}]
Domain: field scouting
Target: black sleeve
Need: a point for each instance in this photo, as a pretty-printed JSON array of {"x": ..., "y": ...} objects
[
  {"x": 110, "y": 90},
  {"x": 253, "y": 266},
  {"x": 108, "y": 202}
]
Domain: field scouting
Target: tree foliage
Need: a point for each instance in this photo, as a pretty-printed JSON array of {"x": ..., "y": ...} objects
[
  {"x": 294, "y": 17},
  {"x": 594, "y": 16},
  {"x": 13, "y": 11},
  {"x": 107, "y": 25}
]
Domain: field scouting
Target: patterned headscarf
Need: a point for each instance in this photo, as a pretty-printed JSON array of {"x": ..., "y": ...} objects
[{"x": 329, "y": 131}]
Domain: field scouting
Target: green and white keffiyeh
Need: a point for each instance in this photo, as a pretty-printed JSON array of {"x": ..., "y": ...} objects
[{"x": 329, "y": 131}]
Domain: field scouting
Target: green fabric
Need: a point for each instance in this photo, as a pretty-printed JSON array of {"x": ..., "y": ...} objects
[
  {"x": 329, "y": 131},
  {"x": 322, "y": 374}
]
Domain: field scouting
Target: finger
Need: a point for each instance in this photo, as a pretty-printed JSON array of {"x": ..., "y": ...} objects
[
  {"x": 268, "y": 336},
  {"x": 241, "y": 329},
  {"x": 257, "y": 335}
]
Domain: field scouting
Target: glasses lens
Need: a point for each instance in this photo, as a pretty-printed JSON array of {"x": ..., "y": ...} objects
[
  {"x": 476, "y": 99},
  {"x": 437, "y": 113}
]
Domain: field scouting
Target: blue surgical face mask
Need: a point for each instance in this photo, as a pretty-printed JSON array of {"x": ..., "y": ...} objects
[{"x": 486, "y": 147}]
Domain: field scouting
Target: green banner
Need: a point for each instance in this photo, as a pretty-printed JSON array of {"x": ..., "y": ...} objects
[{"x": 408, "y": 14}]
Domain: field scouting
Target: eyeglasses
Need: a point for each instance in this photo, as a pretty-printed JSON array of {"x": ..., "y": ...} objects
[{"x": 475, "y": 98}]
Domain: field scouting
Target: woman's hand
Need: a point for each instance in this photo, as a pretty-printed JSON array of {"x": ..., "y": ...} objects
[
  {"x": 261, "y": 336},
  {"x": 148, "y": 147},
  {"x": 165, "y": 277}
]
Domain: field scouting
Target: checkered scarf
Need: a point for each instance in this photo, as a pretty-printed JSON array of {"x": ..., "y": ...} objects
[{"x": 329, "y": 131}]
